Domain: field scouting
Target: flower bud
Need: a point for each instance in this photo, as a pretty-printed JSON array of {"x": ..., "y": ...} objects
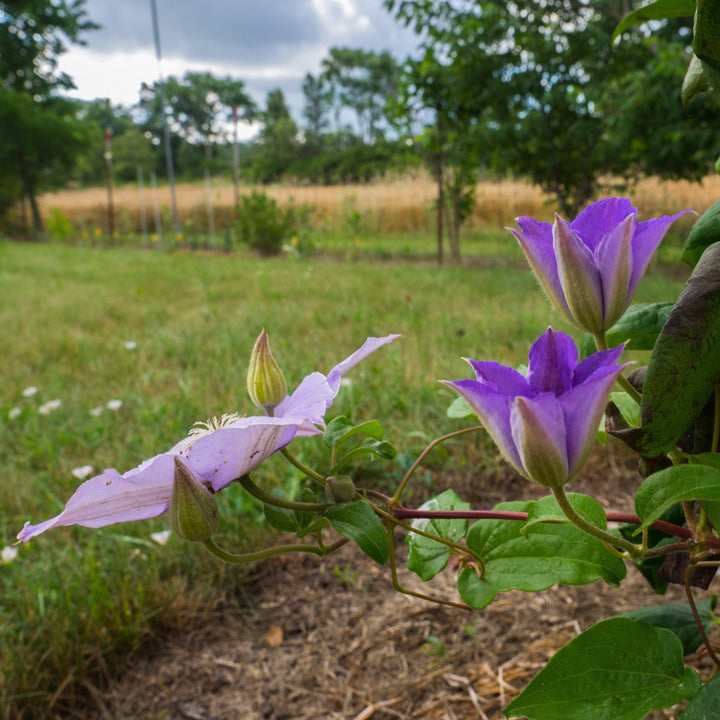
[
  {"x": 193, "y": 508},
  {"x": 340, "y": 488},
  {"x": 265, "y": 380}
]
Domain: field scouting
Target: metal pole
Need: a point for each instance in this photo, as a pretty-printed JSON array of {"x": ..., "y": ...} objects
[
  {"x": 166, "y": 129},
  {"x": 156, "y": 208},
  {"x": 211, "y": 214},
  {"x": 108, "y": 165},
  {"x": 236, "y": 159},
  {"x": 143, "y": 214}
]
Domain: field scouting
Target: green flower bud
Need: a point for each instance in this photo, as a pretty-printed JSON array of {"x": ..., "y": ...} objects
[
  {"x": 340, "y": 488},
  {"x": 265, "y": 380},
  {"x": 193, "y": 508}
]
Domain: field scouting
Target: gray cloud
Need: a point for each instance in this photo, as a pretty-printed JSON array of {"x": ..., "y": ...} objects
[{"x": 265, "y": 43}]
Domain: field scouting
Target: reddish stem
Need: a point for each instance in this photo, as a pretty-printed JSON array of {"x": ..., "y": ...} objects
[{"x": 408, "y": 513}]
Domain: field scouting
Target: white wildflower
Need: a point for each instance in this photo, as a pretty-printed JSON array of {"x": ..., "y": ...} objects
[
  {"x": 8, "y": 554},
  {"x": 49, "y": 406},
  {"x": 114, "y": 405},
  {"x": 29, "y": 391},
  {"x": 96, "y": 410},
  {"x": 14, "y": 412},
  {"x": 82, "y": 472},
  {"x": 161, "y": 537},
  {"x": 130, "y": 345}
]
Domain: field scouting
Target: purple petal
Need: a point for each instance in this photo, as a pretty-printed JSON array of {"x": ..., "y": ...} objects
[
  {"x": 111, "y": 498},
  {"x": 582, "y": 409},
  {"x": 648, "y": 235},
  {"x": 229, "y": 452},
  {"x": 368, "y": 347},
  {"x": 537, "y": 243},
  {"x": 614, "y": 258},
  {"x": 538, "y": 432},
  {"x": 579, "y": 277},
  {"x": 503, "y": 379},
  {"x": 308, "y": 404},
  {"x": 493, "y": 410},
  {"x": 552, "y": 359},
  {"x": 603, "y": 360},
  {"x": 598, "y": 219}
]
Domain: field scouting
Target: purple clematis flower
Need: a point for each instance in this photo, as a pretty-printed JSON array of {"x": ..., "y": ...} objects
[
  {"x": 544, "y": 423},
  {"x": 590, "y": 268},
  {"x": 219, "y": 452}
]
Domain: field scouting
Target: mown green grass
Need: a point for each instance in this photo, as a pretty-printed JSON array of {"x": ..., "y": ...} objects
[{"x": 75, "y": 601}]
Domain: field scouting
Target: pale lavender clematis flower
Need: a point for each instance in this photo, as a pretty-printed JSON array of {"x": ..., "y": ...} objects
[
  {"x": 224, "y": 451},
  {"x": 544, "y": 423},
  {"x": 590, "y": 268}
]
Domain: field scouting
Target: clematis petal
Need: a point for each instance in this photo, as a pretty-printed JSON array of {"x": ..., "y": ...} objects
[
  {"x": 367, "y": 348},
  {"x": 553, "y": 357},
  {"x": 231, "y": 451},
  {"x": 503, "y": 379},
  {"x": 598, "y": 219},
  {"x": 538, "y": 430},
  {"x": 579, "y": 277},
  {"x": 648, "y": 235},
  {"x": 493, "y": 410},
  {"x": 316, "y": 392},
  {"x": 614, "y": 258},
  {"x": 582, "y": 409},
  {"x": 536, "y": 241},
  {"x": 596, "y": 362},
  {"x": 111, "y": 498}
]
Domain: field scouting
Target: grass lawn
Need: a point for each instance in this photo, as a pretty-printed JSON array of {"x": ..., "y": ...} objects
[{"x": 76, "y": 600}]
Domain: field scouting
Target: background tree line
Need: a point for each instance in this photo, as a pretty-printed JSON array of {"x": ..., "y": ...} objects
[{"x": 532, "y": 88}]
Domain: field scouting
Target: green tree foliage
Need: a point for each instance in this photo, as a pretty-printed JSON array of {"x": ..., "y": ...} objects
[
  {"x": 549, "y": 91},
  {"x": 362, "y": 81},
  {"x": 198, "y": 107},
  {"x": 278, "y": 141},
  {"x": 40, "y": 135}
]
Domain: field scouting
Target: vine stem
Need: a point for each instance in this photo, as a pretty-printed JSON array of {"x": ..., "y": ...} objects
[
  {"x": 269, "y": 499},
  {"x": 696, "y": 615},
  {"x": 572, "y": 515},
  {"x": 601, "y": 344},
  {"x": 401, "y": 487},
  {"x": 301, "y": 466},
  {"x": 237, "y": 559}
]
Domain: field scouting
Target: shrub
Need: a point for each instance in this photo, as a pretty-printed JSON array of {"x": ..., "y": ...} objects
[{"x": 264, "y": 226}]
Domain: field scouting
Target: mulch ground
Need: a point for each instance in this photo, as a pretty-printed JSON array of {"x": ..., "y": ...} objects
[{"x": 332, "y": 639}]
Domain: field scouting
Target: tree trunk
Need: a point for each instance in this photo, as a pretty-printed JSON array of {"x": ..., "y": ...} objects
[{"x": 454, "y": 227}]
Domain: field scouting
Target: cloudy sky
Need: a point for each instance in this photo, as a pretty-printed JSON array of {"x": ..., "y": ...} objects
[{"x": 266, "y": 43}]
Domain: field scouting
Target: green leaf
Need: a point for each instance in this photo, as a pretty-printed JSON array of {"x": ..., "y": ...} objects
[
  {"x": 357, "y": 521},
  {"x": 665, "y": 488},
  {"x": 619, "y": 669},
  {"x": 286, "y": 520},
  {"x": 380, "y": 448},
  {"x": 685, "y": 365},
  {"x": 704, "y": 233},
  {"x": 459, "y": 408},
  {"x": 658, "y": 10},
  {"x": 694, "y": 83},
  {"x": 706, "y": 704},
  {"x": 340, "y": 428},
  {"x": 475, "y": 591},
  {"x": 640, "y": 325},
  {"x": 428, "y": 557},
  {"x": 543, "y": 555},
  {"x": 546, "y": 509},
  {"x": 706, "y": 34},
  {"x": 679, "y": 619},
  {"x": 628, "y": 407}
]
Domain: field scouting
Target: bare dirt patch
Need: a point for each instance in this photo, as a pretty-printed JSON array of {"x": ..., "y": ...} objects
[{"x": 332, "y": 639}]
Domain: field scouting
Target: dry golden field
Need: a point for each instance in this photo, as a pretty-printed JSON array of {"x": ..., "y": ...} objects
[{"x": 401, "y": 205}]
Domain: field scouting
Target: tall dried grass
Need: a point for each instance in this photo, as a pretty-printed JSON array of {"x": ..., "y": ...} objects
[{"x": 404, "y": 204}]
